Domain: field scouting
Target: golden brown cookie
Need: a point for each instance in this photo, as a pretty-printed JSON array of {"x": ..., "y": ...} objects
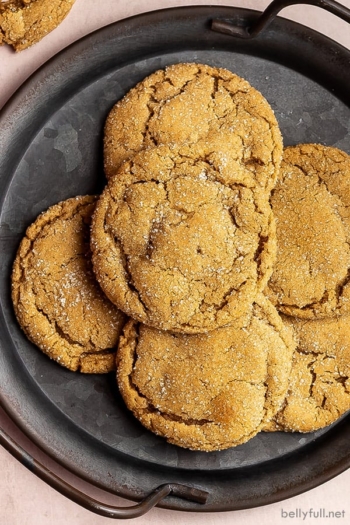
[
  {"x": 179, "y": 243},
  {"x": 183, "y": 104},
  {"x": 319, "y": 385},
  {"x": 311, "y": 203},
  {"x": 56, "y": 297},
  {"x": 209, "y": 391},
  {"x": 25, "y": 22}
]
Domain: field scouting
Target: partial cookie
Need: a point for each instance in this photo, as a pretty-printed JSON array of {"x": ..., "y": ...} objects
[
  {"x": 180, "y": 243},
  {"x": 25, "y": 22},
  {"x": 210, "y": 391},
  {"x": 56, "y": 297},
  {"x": 183, "y": 104},
  {"x": 311, "y": 203},
  {"x": 319, "y": 385}
]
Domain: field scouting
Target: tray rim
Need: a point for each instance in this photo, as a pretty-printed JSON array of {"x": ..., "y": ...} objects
[{"x": 10, "y": 106}]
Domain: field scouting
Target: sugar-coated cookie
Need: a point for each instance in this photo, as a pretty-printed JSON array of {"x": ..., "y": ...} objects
[
  {"x": 209, "y": 391},
  {"x": 56, "y": 297},
  {"x": 25, "y": 22},
  {"x": 179, "y": 243},
  {"x": 319, "y": 384},
  {"x": 311, "y": 203},
  {"x": 182, "y": 104}
]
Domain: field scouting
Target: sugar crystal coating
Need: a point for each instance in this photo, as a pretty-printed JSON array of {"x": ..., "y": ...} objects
[
  {"x": 25, "y": 22},
  {"x": 186, "y": 103},
  {"x": 319, "y": 384},
  {"x": 311, "y": 205},
  {"x": 56, "y": 297},
  {"x": 208, "y": 391},
  {"x": 180, "y": 243}
]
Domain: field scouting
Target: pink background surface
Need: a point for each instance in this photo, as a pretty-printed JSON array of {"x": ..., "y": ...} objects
[{"x": 25, "y": 499}]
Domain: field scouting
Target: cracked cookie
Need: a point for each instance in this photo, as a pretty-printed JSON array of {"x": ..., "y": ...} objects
[
  {"x": 56, "y": 297},
  {"x": 183, "y": 104},
  {"x": 25, "y": 22},
  {"x": 319, "y": 384},
  {"x": 311, "y": 203},
  {"x": 209, "y": 391},
  {"x": 179, "y": 243}
]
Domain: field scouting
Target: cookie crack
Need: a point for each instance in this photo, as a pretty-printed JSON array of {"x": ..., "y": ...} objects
[
  {"x": 180, "y": 89},
  {"x": 131, "y": 283},
  {"x": 226, "y": 297},
  {"x": 310, "y": 306},
  {"x": 203, "y": 302},
  {"x": 128, "y": 275},
  {"x": 62, "y": 334},
  {"x": 343, "y": 380},
  {"x": 313, "y": 377},
  {"x": 150, "y": 406},
  {"x": 46, "y": 225},
  {"x": 263, "y": 240},
  {"x": 253, "y": 161},
  {"x": 57, "y": 328},
  {"x": 105, "y": 351},
  {"x": 12, "y": 5},
  {"x": 216, "y": 80},
  {"x": 156, "y": 109},
  {"x": 320, "y": 181},
  {"x": 341, "y": 286},
  {"x": 68, "y": 339},
  {"x": 146, "y": 131}
]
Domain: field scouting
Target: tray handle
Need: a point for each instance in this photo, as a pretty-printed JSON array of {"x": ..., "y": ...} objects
[
  {"x": 89, "y": 503},
  {"x": 271, "y": 12}
]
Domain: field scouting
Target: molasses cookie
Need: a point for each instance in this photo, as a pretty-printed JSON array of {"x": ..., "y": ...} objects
[
  {"x": 179, "y": 243},
  {"x": 183, "y": 104},
  {"x": 209, "y": 391},
  {"x": 319, "y": 385},
  {"x": 25, "y": 22},
  {"x": 311, "y": 203},
  {"x": 56, "y": 298}
]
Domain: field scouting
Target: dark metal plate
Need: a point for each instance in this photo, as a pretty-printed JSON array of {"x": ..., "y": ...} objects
[{"x": 51, "y": 149}]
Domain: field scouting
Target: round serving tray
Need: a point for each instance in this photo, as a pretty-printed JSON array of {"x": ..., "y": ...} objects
[{"x": 51, "y": 143}]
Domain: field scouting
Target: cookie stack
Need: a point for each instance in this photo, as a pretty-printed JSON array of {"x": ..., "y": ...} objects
[
  {"x": 184, "y": 249},
  {"x": 183, "y": 242},
  {"x": 310, "y": 284}
]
